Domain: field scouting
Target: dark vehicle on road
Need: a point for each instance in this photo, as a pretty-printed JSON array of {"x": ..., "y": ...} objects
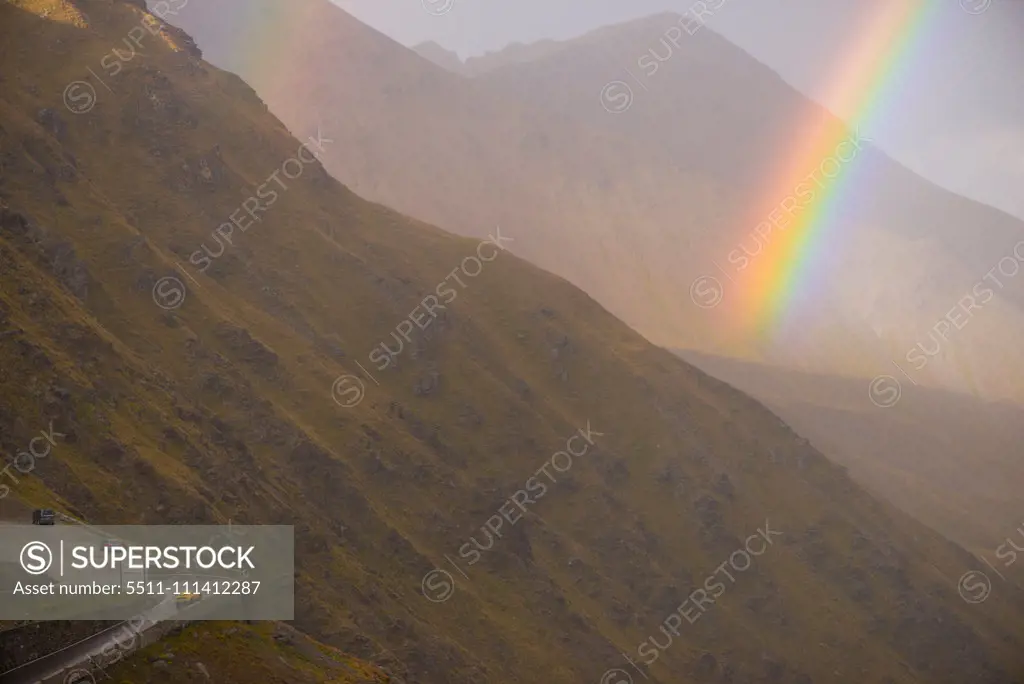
[{"x": 44, "y": 516}]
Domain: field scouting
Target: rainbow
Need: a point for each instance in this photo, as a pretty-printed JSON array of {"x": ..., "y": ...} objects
[
  {"x": 791, "y": 259},
  {"x": 260, "y": 40}
]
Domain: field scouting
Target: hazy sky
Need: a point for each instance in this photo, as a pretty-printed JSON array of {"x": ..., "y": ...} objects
[{"x": 955, "y": 111}]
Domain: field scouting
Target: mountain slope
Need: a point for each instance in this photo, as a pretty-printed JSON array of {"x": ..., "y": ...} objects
[
  {"x": 512, "y": 54},
  {"x": 216, "y": 396},
  {"x": 449, "y": 61},
  {"x": 901, "y": 253},
  {"x": 225, "y": 652},
  {"x": 460, "y": 157},
  {"x": 915, "y": 276},
  {"x": 670, "y": 190},
  {"x": 950, "y": 460}
]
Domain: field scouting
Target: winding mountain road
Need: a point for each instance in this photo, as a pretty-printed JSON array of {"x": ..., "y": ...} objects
[{"x": 73, "y": 664}]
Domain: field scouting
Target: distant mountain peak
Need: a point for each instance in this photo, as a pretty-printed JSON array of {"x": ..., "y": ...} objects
[
  {"x": 442, "y": 57},
  {"x": 523, "y": 53},
  {"x": 651, "y": 27}
]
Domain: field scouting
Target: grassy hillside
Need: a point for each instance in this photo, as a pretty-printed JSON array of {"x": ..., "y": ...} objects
[
  {"x": 232, "y": 652},
  {"x": 634, "y": 206},
  {"x": 948, "y": 459},
  {"x": 221, "y": 395}
]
